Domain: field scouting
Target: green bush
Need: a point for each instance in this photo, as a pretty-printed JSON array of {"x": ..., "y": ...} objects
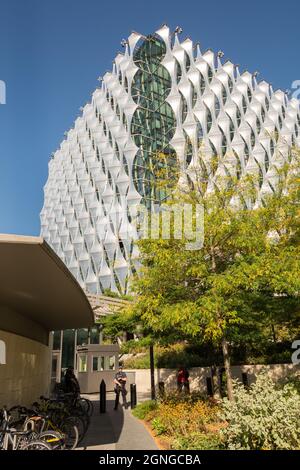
[
  {"x": 132, "y": 346},
  {"x": 169, "y": 357},
  {"x": 197, "y": 441},
  {"x": 294, "y": 381},
  {"x": 144, "y": 408},
  {"x": 139, "y": 362},
  {"x": 262, "y": 417},
  {"x": 158, "y": 426},
  {"x": 174, "y": 397}
]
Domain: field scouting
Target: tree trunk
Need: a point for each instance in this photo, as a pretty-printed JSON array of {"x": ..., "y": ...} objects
[
  {"x": 151, "y": 351},
  {"x": 274, "y": 333},
  {"x": 226, "y": 356},
  {"x": 215, "y": 382}
]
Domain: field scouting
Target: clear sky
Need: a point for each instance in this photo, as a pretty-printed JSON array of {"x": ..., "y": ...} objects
[{"x": 52, "y": 51}]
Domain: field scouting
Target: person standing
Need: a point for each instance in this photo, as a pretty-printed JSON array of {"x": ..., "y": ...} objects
[
  {"x": 120, "y": 387},
  {"x": 71, "y": 382},
  {"x": 183, "y": 380}
]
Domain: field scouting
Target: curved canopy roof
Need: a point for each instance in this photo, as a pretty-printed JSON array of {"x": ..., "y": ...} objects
[{"x": 36, "y": 284}]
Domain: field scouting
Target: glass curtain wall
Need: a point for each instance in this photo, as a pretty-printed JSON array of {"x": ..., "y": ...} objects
[{"x": 153, "y": 124}]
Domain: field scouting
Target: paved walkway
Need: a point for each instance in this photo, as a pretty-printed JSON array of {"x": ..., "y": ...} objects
[{"x": 116, "y": 430}]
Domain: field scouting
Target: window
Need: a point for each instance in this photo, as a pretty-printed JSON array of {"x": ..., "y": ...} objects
[
  {"x": 258, "y": 125},
  {"x": 238, "y": 116},
  {"x": 199, "y": 132},
  {"x": 100, "y": 363},
  {"x": 194, "y": 95},
  {"x": 187, "y": 61},
  {"x": 117, "y": 152},
  {"x": 217, "y": 106},
  {"x": 267, "y": 103},
  {"x": 188, "y": 149},
  {"x": 249, "y": 94},
  {"x": 202, "y": 83},
  {"x": 178, "y": 72},
  {"x": 231, "y": 128},
  {"x": 82, "y": 365},
  {"x": 184, "y": 107},
  {"x": 252, "y": 137},
  {"x": 208, "y": 118},
  {"x": 267, "y": 162},
  {"x": 224, "y": 94},
  {"x": 126, "y": 84},
  {"x": 224, "y": 143}
]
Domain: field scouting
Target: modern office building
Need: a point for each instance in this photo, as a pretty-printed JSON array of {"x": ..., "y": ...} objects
[{"x": 165, "y": 104}]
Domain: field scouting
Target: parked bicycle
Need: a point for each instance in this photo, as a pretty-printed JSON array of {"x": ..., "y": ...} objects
[{"x": 51, "y": 423}]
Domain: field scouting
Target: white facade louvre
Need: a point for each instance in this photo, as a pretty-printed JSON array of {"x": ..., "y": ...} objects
[{"x": 100, "y": 166}]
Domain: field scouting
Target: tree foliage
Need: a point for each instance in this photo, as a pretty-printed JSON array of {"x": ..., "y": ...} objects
[{"x": 244, "y": 283}]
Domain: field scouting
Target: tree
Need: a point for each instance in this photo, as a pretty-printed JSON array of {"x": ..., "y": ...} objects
[{"x": 250, "y": 257}]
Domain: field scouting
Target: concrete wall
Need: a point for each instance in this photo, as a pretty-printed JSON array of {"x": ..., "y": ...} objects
[
  {"x": 198, "y": 376},
  {"x": 26, "y": 374}
]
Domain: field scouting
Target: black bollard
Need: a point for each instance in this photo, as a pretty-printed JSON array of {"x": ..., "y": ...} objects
[
  {"x": 133, "y": 395},
  {"x": 102, "y": 397}
]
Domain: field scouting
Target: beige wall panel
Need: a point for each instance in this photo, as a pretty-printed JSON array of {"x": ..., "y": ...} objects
[{"x": 26, "y": 374}]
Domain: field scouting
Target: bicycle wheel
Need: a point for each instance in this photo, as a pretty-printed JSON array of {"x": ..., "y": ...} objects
[
  {"x": 86, "y": 405},
  {"x": 71, "y": 435},
  {"x": 80, "y": 424},
  {"x": 36, "y": 445},
  {"x": 56, "y": 440}
]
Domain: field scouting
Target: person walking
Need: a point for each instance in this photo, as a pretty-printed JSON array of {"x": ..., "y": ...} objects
[{"x": 120, "y": 387}]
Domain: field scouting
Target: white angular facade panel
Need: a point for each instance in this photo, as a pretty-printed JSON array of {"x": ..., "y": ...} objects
[{"x": 163, "y": 99}]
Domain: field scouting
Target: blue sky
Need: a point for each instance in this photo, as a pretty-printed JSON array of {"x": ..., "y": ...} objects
[{"x": 52, "y": 51}]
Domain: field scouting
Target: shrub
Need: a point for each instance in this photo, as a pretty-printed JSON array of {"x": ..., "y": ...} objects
[
  {"x": 185, "y": 418},
  {"x": 170, "y": 356},
  {"x": 186, "y": 421},
  {"x": 144, "y": 409},
  {"x": 139, "y": 362},
  {"x": 197, "y": 441},
  {"x": 174, "y": 397},
  {"x": 158, "y": 426},
  {"x": 293, "y": 380},
  {"x": 262, "y": 417}
]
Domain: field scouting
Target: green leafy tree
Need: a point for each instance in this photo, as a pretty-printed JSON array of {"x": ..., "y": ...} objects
[{"x": 248, "y": 265}]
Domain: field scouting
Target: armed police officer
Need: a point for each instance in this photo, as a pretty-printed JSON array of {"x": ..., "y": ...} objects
[{"x": 120, "y": 387}]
